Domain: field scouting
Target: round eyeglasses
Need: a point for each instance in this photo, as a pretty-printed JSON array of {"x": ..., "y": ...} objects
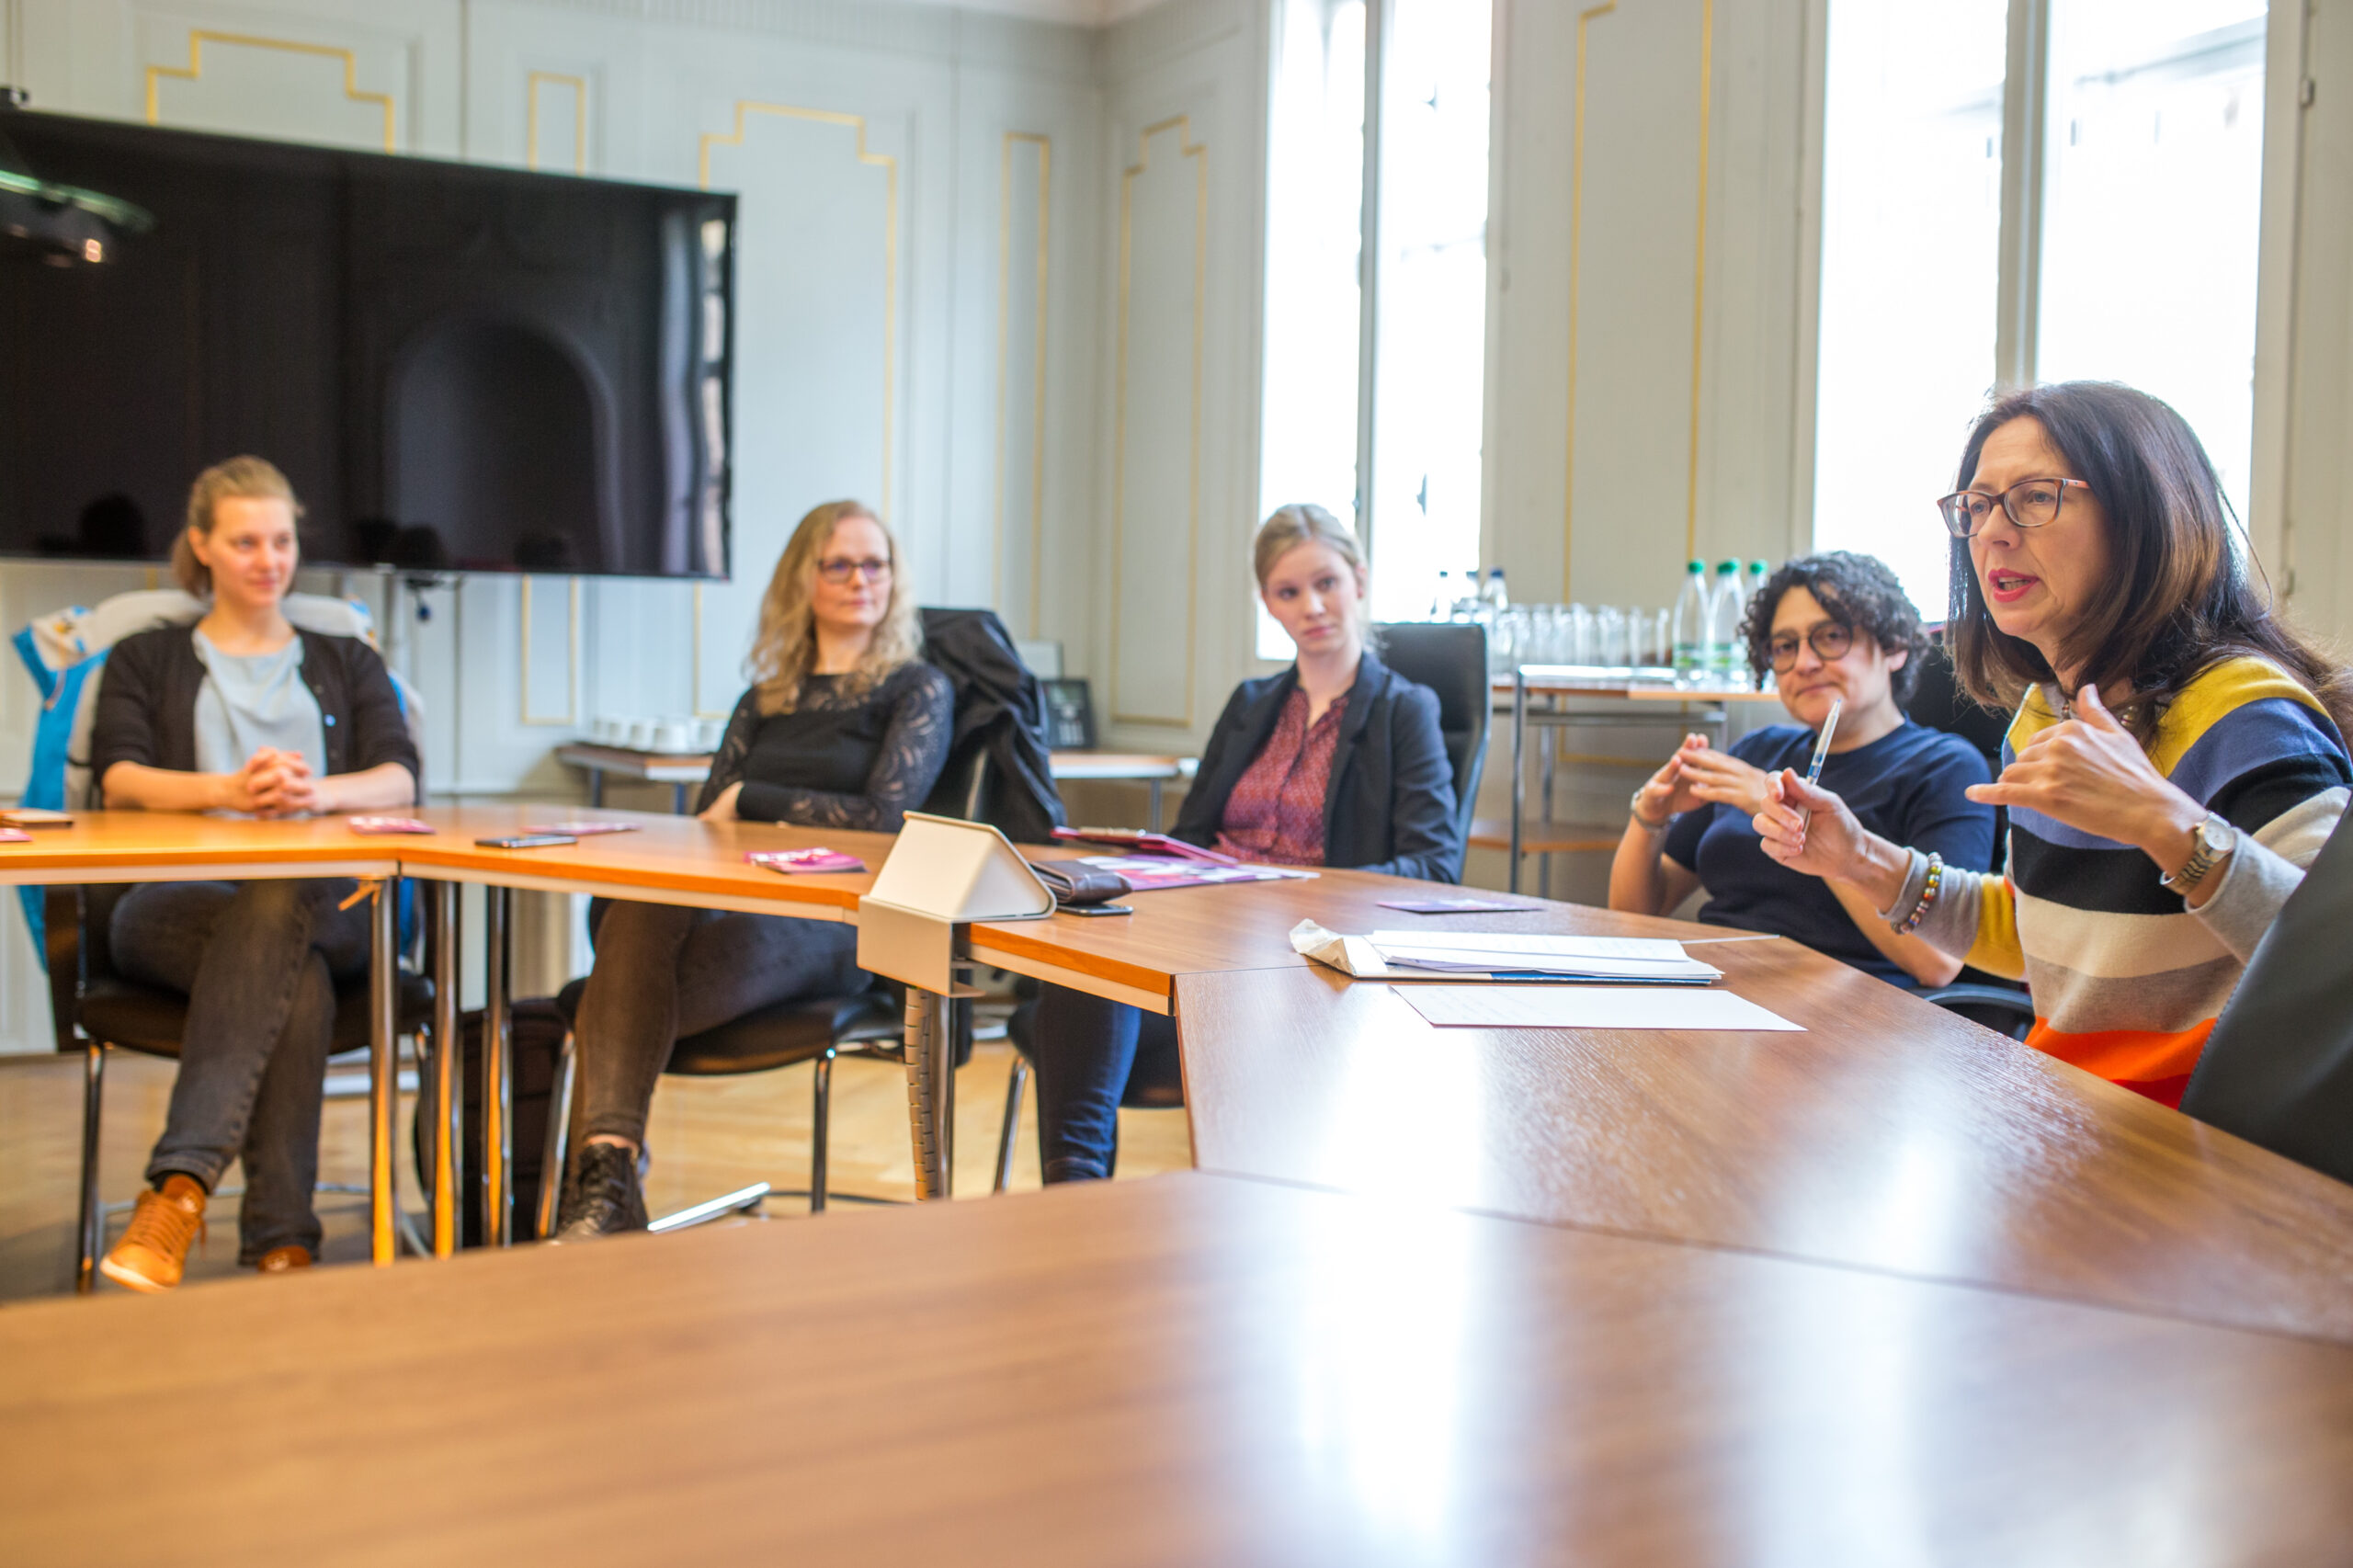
[
  {"x": 1829, "y": 642},
  {"x": 2028, "y": 504}
]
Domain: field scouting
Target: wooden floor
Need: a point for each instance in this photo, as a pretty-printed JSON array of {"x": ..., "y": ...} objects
[{"x": 708, "y": 1136}]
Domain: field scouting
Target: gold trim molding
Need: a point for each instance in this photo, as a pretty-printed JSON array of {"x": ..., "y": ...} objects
[
  {"x": 1045, "y": 148},
  {"x": 1577, "y": 257},
  {"x": 1698, "y": 282},
  {"x": 1699, "y": 271},
  {"x": 889, "y": 166},
  {"x": 194, "y": 71},
  {"x": 579, "y": 86},
  {"x": 571, "y": 714},
  {"x": 1183, "y": 125}
]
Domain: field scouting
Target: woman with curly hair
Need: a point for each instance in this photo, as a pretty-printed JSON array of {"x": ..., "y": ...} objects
[
  {"x": 845, "y": 726},
  {"x": 1828, "y": 626},
  {"x": 2177, "y": 758}
]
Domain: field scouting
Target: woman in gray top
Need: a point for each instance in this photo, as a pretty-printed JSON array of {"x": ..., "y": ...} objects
[{"x": 241, "y": 714}]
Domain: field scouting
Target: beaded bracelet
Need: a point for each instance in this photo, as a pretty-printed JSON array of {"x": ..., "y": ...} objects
[{"x": 1928, "y": 896}]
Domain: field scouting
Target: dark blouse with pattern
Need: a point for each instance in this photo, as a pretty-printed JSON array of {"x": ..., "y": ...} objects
[{"x": 839, "y": 760}]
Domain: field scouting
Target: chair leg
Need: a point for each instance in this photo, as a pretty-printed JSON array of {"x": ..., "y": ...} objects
[
  {"x": 821, "y": 1115},
  {"x": 558, "y": 1147},
  {"x": 91, "y": 1222},
  {"x": 1015, "y": 1086}
]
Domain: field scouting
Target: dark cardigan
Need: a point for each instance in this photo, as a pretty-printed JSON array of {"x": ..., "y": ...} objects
[
  {"x": 147, "y": 704},
  {"x": 1390, "y": 805}
]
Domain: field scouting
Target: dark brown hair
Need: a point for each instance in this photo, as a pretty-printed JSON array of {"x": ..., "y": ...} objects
[
  {"x": 1860, "y": 593},
  {"x": 2180, "y": 600}
]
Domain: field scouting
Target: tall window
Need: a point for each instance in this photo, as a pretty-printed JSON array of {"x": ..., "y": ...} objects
[
  {"x": 1314, "y": 241},
  {"x": 2153, "y": 174},
  {"x": 1396, "y": 452},
  {"x": 2138, "y": 265},
  {"x": 1910, "y": 241}
]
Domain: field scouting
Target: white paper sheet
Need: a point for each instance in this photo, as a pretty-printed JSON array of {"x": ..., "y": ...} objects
[
  {"x": 1538, "y": 944},
  {"x": 1587, "y": 1008}
]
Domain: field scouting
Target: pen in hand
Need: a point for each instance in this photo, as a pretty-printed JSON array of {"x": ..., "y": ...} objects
[{"x": 1821, "y": 751}]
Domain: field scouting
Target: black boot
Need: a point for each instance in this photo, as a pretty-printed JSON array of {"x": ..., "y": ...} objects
[{"x": 604, "y": 1198}]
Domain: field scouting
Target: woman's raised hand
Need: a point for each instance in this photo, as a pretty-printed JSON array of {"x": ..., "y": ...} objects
[
  {"x": 1722, "y": 779},
  {"x": 2089, "y": 773},
  {"x": 1672, "y": 789}
]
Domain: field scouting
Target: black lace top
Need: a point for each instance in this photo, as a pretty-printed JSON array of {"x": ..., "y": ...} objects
[{"x": 835, "y": 761}]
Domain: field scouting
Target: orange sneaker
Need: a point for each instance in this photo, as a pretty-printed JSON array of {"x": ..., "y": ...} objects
[
  {"x": 152, "y": 1253},
  {"x": 279, "y": 1260}
]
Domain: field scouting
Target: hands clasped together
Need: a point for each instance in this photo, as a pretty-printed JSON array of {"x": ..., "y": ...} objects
[{"x": 275, "y": 783}]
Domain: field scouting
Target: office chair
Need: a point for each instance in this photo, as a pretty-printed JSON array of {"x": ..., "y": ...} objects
[{"x": 1451, "y": 660}]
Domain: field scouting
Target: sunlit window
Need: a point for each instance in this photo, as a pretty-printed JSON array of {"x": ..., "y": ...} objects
[
  {"x": 2151, "y": 185},
  {"x": 1911, "y": 246},
  {"x": 1418, "y": 509},
  {"x": 2142, "y": 268},
  {"x": 1430, "y": 324},
  {"x": 1315, "y": 229}
]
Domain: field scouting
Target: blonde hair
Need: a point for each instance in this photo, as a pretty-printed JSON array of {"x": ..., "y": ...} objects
[
  {"x": 239, "y": 479},
  {"x": 1304, "y": 522},
  {"x": 785, "y": 646}
]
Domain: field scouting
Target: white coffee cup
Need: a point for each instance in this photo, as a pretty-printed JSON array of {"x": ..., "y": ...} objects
[
  {"x": 639, "y": 734},
  {"x": 673, "y": 735}
]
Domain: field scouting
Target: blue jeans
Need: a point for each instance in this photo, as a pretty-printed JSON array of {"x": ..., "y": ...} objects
[
  {"x": 258, "y": 962},
  {"x": 1088, "y": 1051}
]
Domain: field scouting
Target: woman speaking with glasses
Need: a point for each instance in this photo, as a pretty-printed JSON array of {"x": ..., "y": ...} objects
[
  {"x": 2177, "y": 758},
  {"x": 1835, "y": 627},
  {"x": 845, "y": 726}
]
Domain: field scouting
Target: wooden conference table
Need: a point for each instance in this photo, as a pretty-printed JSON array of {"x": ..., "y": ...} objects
[{"x": 1895, "y": 1281}]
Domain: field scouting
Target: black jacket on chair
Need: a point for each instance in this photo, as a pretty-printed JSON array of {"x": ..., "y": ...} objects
[
  {"x": 2277, "y": 1069},
  {"x": 1390, "y": 805},
  {"x": 1000, "y": 740}
]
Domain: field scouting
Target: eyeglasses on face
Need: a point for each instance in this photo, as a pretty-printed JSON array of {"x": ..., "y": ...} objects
[
  {"x": 841, "y": 569},
  {"x": 1829, "y": 642},
  {"x": 2028, "y": 504}
]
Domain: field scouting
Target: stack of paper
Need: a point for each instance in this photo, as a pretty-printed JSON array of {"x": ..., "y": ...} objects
[{"x": 1640, "y": 960}]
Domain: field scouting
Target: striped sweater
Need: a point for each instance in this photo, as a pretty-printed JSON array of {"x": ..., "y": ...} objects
[{"x": 2127, "y": 981}]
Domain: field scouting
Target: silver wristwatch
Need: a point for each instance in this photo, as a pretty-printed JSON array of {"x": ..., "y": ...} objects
[
  {"x": 2215, "y": 838},
  {"x": 1635, "y": 806}
]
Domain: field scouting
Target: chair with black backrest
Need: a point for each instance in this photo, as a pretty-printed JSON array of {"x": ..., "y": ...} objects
[
  {"x": 996, "y": 772},
  {"x": 1451, "y": 660},
  {"x": 94, "y": 1009},
  {"x": 1938, "y": 704}
]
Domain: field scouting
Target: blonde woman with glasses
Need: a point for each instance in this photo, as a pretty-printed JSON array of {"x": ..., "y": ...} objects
[{"x": 845, "y": 726}]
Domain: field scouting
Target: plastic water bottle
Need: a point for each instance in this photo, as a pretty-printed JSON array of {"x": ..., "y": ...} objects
[
  {"x": 1723, "y": 627},
  {"x": 1497, "y": 599},
  {"x": 1758, "y": 575},
  {"x": 1692, "y": 649},
  {"x": 1442, "y": 606}
]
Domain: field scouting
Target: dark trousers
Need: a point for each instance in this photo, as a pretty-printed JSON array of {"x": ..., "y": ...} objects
[
  {"x": 1087, "y": 1053},
  {"x": 259, "y": 962},
  {"x": 664, "y": 973}
]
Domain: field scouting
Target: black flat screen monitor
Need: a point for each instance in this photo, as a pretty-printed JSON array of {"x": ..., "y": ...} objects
[{"x": 459, "y": 367}]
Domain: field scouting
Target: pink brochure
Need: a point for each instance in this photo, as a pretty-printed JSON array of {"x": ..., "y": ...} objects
[
  {"x": 388, "y": 824},
  {"x": 797, "y": 860},
  {"x": 583, "y": 829}
]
